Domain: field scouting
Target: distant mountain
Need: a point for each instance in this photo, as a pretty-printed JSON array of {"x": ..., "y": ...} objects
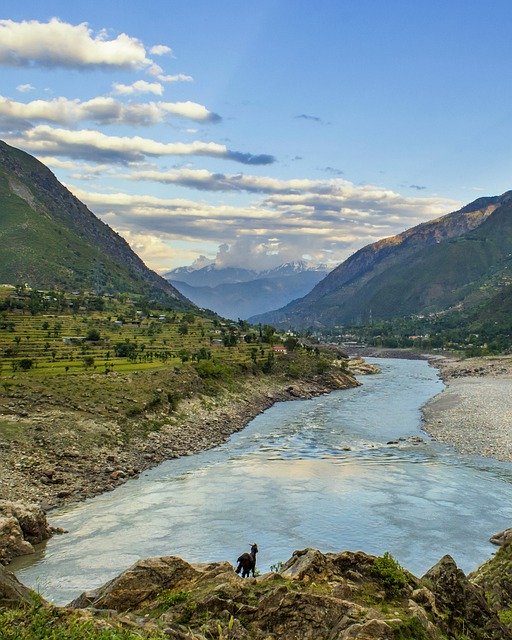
[
  {"x": 210, "y": 276},
  {"x": 238, "y": 293},
  {"x": 459, "y": 259},
  {"x": 51, "y": 239}
]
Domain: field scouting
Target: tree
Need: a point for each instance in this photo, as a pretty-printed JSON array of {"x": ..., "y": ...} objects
[
  {"x": 88, "y": 361},
  {"x": 125, "y": 349},
  {"x": 291, "y": 343},
  {"x": 93, "y": 335},
  {"x": 25, "y": 364}
]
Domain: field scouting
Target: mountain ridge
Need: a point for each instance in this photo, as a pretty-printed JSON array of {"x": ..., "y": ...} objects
[
  {"x": 51, "y": 239},
  {"x": 375, "y": 280},
  {"x": 235, "y": 292}
]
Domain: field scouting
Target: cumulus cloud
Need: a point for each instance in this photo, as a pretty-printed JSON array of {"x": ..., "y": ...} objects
[
  {"x": 99, "y": 147},
  {"x": 289, "y": 223},
  {"x": 160, "y": 50},
  {"x": 60, "y": 44},
  {"x": 25, "y": 88},
  {"x": 103, "y": 110},
  {"x": 140, "y": 86}
]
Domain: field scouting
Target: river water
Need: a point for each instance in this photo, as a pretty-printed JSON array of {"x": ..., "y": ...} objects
[{"x": 316, "y": 473}]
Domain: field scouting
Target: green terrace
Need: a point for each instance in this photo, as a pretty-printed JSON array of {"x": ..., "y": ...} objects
[{"x": 115, "y": 334}]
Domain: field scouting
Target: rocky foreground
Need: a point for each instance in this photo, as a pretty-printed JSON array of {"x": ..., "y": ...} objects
[{"x": 313, "y": 596}]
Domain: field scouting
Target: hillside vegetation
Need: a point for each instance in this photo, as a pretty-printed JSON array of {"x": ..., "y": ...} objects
[
  {"x": 51, "y": 239},
  {"x": 463, "y": 259}
]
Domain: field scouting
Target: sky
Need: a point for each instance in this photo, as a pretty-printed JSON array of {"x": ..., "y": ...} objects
[{"x": 256, "y": 133}]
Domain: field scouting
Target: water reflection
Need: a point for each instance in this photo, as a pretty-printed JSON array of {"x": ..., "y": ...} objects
[{"x": 315, "y": 473}]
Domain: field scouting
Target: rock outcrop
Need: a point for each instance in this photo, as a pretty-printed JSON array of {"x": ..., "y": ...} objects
[
  {"x": 315, "y": 596},
  {"x": 21, "y": 527},
  {"x": 495, "y": 578},
  {"x": 461, "y": 606},
  {"x": 12, "y": 592},
  {"x": 502, "y": 538}
]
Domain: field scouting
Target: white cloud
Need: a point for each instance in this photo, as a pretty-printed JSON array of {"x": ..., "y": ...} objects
[
  {"x": 60, "y": 44},
  {"x": 97, "y": 146},
  {"x": 334, "y": 197},
  {"x": 160, "y": 50},
  {"x": 103, "y": 110},
  {"x": 25, "y": 88},
  {"x": 140, "y": 86},
  {"x": 180, "y": 77},
  {"x": 268, "y": 233}
]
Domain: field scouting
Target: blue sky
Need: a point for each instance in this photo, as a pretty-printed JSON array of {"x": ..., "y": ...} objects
[{"x": 273, "y": 130}]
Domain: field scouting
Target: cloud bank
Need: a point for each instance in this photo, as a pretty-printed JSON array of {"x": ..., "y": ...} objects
[
  {"x": 96, "y": 146},
  {"x": 103, "y": 110},
  {"x": 324, "y": 220}
]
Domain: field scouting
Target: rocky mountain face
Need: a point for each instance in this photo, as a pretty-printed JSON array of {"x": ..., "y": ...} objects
[
  {"x": 432, "y": 266},
  {"x": 51, "y": 239},
  {"x": 235, "y": 293},
  {"x": 313, "y": 596}
]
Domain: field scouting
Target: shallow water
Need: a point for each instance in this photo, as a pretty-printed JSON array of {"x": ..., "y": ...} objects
[{"x": 315, "y": 473}]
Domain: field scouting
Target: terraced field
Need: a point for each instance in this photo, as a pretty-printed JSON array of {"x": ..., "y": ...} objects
[{"x": 118, "y": 338}]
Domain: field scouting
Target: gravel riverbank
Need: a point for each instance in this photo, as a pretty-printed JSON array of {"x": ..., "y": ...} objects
[{"x": 474, "y": 412}]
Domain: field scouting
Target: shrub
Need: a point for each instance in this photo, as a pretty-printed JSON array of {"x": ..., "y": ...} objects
[
  {"x": 209, "y": 369},
  {"x": 390, "y": 574},
  {"x": 93, "y": 335},
  {"x": 88, "y": 361},
  {"x": 25, "y": 364},
  {"x": 171, "y": 598}
]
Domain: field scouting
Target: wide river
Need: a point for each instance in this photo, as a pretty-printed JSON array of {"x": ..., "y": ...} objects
[{"x": 315, "y": 473}]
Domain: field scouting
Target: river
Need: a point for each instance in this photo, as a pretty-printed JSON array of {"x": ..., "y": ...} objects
[{"x": 315, "y": 473}]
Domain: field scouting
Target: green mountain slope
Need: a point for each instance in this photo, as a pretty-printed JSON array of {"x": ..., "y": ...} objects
[
  {"x": 48, "y": 238},
  {"x": 460, "y": 258}
]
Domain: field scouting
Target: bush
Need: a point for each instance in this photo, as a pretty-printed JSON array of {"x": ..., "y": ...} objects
[
  {"x": 390, "y": 574},
  {"x": 93, "y": 335},
  {"x": 209, "y": 369},
  {"x": 25, "y": 364}
]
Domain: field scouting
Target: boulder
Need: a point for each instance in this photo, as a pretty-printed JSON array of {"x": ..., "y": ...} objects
[
  {"x": 502, "y": 538},
  {"x": 307, "y": 563},
  {"x": 12, "y": 592},
  {"x": 139, "y": 583},
  {"x": 285, "y": 614},
  {"x": 21, "y": 526},
  {"x": 462, "y": 606}
]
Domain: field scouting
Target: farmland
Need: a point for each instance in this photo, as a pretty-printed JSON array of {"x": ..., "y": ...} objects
[{"x": 75, "y": 334}]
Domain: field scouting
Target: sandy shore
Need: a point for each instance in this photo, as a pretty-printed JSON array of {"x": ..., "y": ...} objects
[{"x": 474, "y": 412}]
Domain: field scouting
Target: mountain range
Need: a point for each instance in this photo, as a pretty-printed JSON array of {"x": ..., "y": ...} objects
[
  {"x": 51, "y": 239},
  {"x": 235, "y": 292},
  {"x": 460, "y": 260}
]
